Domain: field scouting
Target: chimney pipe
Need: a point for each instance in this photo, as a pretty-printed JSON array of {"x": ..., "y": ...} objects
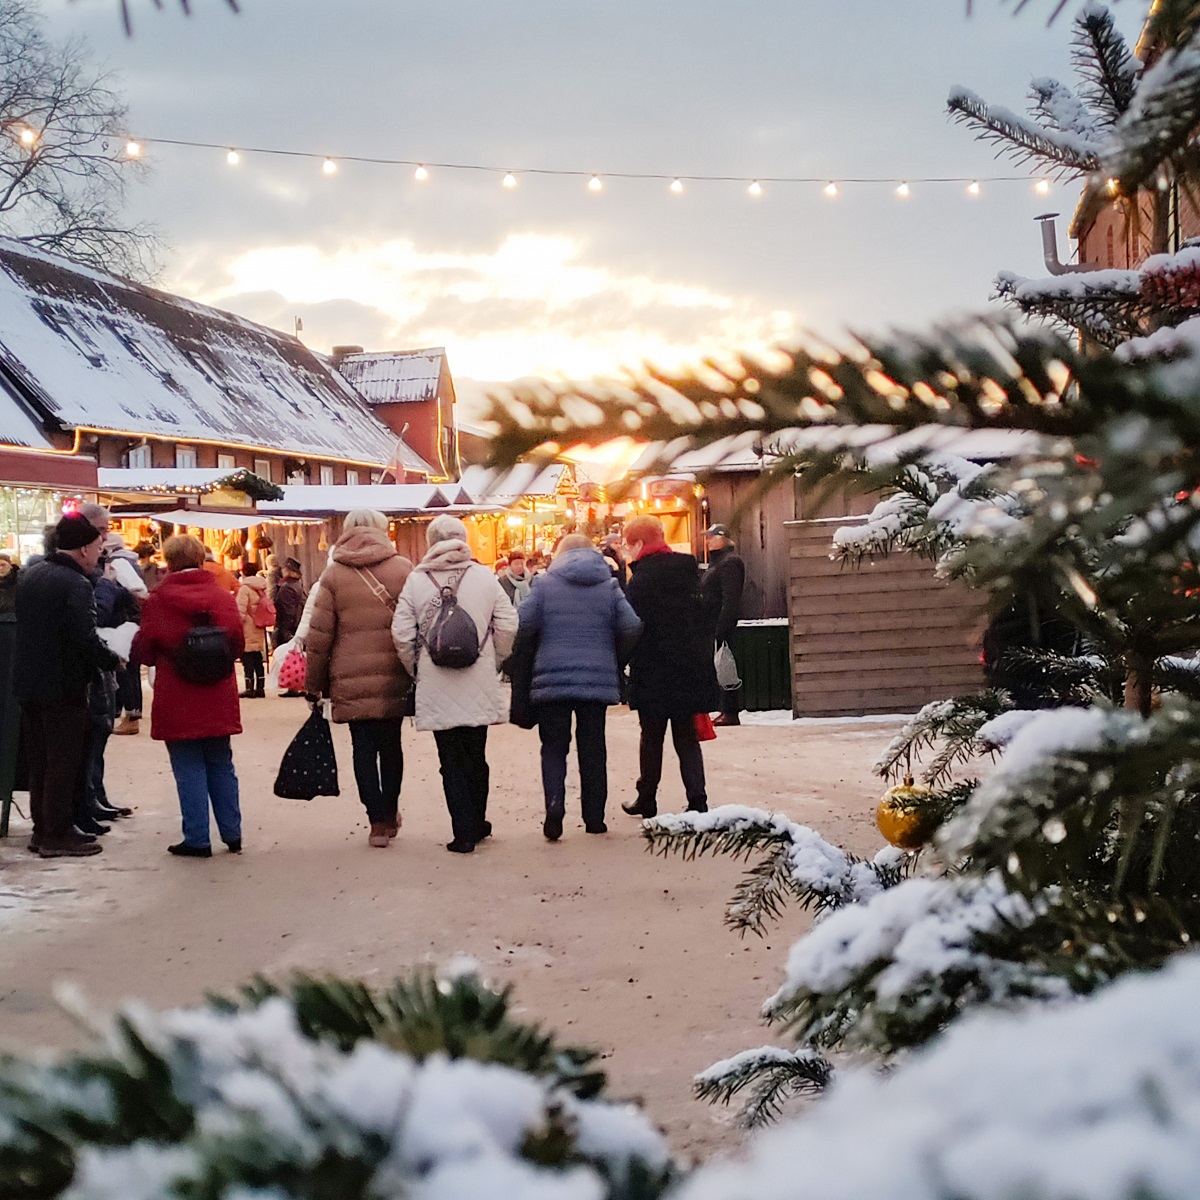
[{"x": 1050, "y": 248}]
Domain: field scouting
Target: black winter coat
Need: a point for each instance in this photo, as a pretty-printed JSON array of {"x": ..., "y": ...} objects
[
  {"x": 671, "y": 671},
  {"x": 721, "y": 590},
  {"x": 289, "y": 606},
  {"x": 58, "y": 649}
]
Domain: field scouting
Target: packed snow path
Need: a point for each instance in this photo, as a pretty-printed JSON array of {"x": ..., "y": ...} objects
[{"x": 604, "y": 942}]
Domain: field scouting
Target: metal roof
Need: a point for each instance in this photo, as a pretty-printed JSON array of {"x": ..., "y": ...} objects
[
  {"x": 394, "y": 376},
  {"x": 94, "y": 350}
]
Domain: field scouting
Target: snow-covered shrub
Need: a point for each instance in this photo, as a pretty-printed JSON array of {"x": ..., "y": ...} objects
[{"x": 213, "y": 1104}]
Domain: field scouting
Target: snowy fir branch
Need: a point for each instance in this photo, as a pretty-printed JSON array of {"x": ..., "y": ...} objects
[
  {"x": 948, "y": 728},
  {"x": 1054, "y": 150},
  {"x": 1160, "y": 123},
  {"x": 1096, "y": 1100},
  {"x": 1097, "y": 798},
  {"x": 454, "y": 1014},
  {"x": 1108, "y": 305},
  {"x": 1104, "y": 62},
  {"x": 770, "y": 1074},
  {"x": 209, "y": 1103},
  {"x": 797, "y": 864},
  {"x": 893, "y": 972}
]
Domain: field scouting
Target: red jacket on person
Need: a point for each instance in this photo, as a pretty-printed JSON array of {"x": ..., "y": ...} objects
[{"x": 184, "y": 711}]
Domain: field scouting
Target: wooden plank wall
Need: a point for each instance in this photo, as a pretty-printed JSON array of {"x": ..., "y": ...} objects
[{"x": 888, "y": 636}]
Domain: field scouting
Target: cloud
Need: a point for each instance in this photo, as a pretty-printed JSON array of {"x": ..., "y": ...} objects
[{"x": 533, "y": 305}]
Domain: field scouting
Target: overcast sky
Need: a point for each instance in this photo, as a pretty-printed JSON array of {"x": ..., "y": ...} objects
[{"x": 548, "y": 277}]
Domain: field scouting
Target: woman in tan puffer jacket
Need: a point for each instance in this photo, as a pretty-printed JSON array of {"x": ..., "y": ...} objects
[
  {"x": 250, "y": 595},
  {"x": 352, "y": 660}
]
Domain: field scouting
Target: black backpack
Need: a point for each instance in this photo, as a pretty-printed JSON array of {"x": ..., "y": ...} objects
[
  {"x": 206, "y": 655},
  {"x": 452, "y": 639}
]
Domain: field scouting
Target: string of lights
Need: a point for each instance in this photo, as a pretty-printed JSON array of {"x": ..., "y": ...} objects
[{"x": 595, "y": 180}]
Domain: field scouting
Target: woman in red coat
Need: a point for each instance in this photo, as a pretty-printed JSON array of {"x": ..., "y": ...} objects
[{"x": 195, "y": 720}]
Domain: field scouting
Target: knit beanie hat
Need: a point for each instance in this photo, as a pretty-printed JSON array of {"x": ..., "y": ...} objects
[{"x": 75, "y": 531}]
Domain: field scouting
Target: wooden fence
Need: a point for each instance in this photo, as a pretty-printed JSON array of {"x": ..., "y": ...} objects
[{"x": 887, "y": 636}]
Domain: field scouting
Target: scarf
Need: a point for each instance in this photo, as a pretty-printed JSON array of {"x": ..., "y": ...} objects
[
  {"x": 520, "y": 586},
  {"x": 451, "y": 555}
]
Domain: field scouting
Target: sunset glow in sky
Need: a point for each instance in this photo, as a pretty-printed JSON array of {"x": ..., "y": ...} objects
[{"x": 553, "y": 277}]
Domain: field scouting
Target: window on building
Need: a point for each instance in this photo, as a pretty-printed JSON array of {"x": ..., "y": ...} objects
[
  {"x": 185, "y": 457},
  {"x": 140, "y": 458},
  {"x": 227, "y": 462},
  {"x": 326, "y": 476},
  {"x": 376, "y": 476},
  {"x": 262, "y": 468},
  {"x": 351, "y": 478}
]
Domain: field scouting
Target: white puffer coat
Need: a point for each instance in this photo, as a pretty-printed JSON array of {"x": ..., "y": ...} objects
[{"x": 449, "y": 698}]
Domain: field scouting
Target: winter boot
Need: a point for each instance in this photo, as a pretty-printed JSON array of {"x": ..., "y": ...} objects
[
  {"x": 552, "y": 826},
  {"x": 126, "y": 726},
  {"x": 183, "y": 850},
  {"x": 380, "y": 835}
]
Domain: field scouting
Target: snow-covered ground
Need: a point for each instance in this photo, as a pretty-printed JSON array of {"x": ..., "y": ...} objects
[{"x": 783, "y": 716}]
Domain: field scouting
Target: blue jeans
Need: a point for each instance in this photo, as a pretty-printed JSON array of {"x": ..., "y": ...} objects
[{"x": 203, "y": 770}]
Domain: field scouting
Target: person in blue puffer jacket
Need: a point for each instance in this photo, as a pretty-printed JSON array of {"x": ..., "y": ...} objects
[{"x": 576, "y": 632}]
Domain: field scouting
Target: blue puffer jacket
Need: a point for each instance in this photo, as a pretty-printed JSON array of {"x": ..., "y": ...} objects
[{"x": 582, "y": 626}]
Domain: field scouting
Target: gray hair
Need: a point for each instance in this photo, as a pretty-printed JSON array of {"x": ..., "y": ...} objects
[
  {"x": 445, "y": 529},
  {"x": 94, "y": 514},
  {"x": 365, "y": 518}
]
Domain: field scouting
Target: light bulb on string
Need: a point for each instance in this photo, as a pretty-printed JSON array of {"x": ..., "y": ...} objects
[
  {"x": 1042, "y": 187},
  {"x": 595, "y": 184},
  {"x": 831, "y": 189},
  {"x": 904, "y": 191},
  {"x": 973, "y": 188},
  {"x": 233, "y": 158},
  {"x": 1114, "y": 187},
  {"x": 329, "y": 167},
  {"x": 677, "y": 186},
  {"x": 509, "y": 180},
  {"x": 133, "y": 149},
  {"x": 755, "y": 188},
  {"x": 421, "y": 174}
]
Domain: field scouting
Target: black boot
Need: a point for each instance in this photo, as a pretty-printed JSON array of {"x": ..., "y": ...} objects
[
  {"x": 552, "y": 826},
  {"x": 89, "y": 825},
  {"x": 641, "y": 808}
]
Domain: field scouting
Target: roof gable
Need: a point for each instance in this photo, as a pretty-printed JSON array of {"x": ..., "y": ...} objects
[
  {"x": 101, "y": 352},
  {"x": 394, "y": 376}
]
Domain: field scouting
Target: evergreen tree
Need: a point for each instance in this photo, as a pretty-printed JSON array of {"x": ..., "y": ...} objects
[{"x": 1071, "y": 860}]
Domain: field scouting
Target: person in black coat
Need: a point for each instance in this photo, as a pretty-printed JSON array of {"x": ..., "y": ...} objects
[
  {"x": 58, "y": 651},
  {"x": 671, "y": 673},
  {"x": 721, "y": 590}
]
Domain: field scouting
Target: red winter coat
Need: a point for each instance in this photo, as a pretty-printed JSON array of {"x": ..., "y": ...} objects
[{"x": 184, "y": 711}]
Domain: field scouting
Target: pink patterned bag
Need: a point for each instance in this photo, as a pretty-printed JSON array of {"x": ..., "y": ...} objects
[{"x": 292, "y": 671}]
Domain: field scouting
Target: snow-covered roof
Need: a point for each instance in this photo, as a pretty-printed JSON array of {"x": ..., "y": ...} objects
[
  {"x": 485, "y": 485},
  {"x": 92, "y": 350},
  {"x": 172, "y": 481},
  {"x": 17, "y": 426},
  {"x": 391, "y": 499},
  {"x": 394, "y": 376}
]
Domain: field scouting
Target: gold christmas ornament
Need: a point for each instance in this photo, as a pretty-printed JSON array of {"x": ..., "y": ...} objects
[{"x": 908, "y": 814}]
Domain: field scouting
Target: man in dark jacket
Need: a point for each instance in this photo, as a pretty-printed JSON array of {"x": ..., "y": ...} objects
[
  {"x": 671, "y": 674},
  {"x": 578, "y": 629},
  {"x": 58, "y": 651},
  {"x": 721, "y": 591}
]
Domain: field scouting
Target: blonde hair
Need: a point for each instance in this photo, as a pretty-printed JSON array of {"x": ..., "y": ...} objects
[
  {"x": 183, "y": 552},
  {"x": 365, "y": 518},
  {"x": 574, "y": 541}
]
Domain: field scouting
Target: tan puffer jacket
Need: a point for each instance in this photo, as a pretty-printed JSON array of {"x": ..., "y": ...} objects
[
  {"x": 349, "y": 648},
  {"x": 249, "y": 597}
]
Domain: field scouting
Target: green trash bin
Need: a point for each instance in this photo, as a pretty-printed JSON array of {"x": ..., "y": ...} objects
[{"x": 763, "y": 658}]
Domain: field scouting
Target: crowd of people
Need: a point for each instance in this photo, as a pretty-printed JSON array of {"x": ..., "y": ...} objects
[{"x": 457, "y": 645}]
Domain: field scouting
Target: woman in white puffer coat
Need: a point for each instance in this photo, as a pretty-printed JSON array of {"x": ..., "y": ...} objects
[{"x": 457, "y": 704}]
